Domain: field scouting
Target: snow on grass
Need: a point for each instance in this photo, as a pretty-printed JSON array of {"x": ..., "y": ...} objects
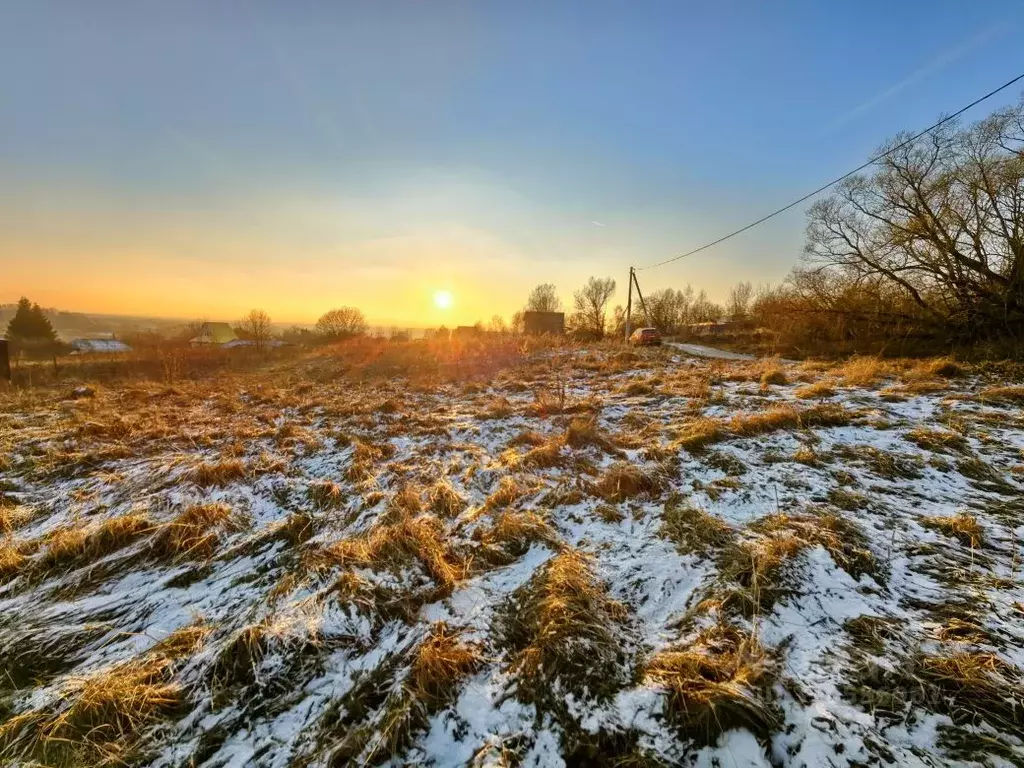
[{"x": 849, "y": 579}]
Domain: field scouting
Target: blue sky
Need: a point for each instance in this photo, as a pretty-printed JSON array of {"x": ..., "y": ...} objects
[{"x": 301, "y": 155}]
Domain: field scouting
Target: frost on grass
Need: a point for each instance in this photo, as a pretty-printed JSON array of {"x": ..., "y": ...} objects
[{"x": 595, "y": 558}]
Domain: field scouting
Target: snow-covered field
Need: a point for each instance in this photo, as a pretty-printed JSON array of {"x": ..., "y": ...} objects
[{"x": 595, "y": 559}]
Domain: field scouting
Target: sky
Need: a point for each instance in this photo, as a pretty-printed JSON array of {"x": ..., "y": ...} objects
[{"x": 202, "y": 158}]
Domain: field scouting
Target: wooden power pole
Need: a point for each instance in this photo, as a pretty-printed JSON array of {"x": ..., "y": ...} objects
[{"x": 629, "y": 305}]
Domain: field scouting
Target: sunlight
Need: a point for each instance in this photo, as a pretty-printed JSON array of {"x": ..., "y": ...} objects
[{"x": 442, "y": 299}]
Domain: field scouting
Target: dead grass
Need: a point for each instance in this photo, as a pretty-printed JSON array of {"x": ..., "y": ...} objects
[
  {"x": 544, "y": 456},
  {"x": 443, "y": 499},
  {"x": 496, "y": 408},
  {"x": 624, "y": 481},
  {"x": 562, "y": 626},
  {"x": 939, "y": 367},
  {"x": 196, "y": 532},
  {"x": 508, "y": 492},
  {"x": 938, "y": 441},
  {"x": 102, "y": 720},
  {"x": 1009, "y": 395},
  {"x": 864, "y": 372},
  {"x": 442, "y": 661},
  {"x": 720, "y": 681},
  {"x": 325, "y": 494},
  {"x": 819, "y": 390},
  {"x": 218, "y": 473},
  {"x": 13, "y": 517},
  {"x": 422, "y": 539},
  {"x": 515, "y": 532},
  {"x": 839, "y": 536},
  {"x": 584, "y": 432},
  {"x": 789, "y": 417},
  {"x": 367, "y": 459},
  {"x": 969, "y": 685},
  {"x": 184, "y": 641},
  {"x": 527, "y": 437},
  {"x": 13, "y": 557},
  {"x": 71, "y": 545},
  {"x": 773, "y": 376},
  {"x": 693, "y": 530},
  {"x": 962, "y": 526},
  {"x": 753, "y": 571},
  {"x": 700, "y": 433}
]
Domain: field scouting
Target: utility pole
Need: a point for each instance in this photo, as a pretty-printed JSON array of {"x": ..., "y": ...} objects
[{"x": 629, "y": 305}]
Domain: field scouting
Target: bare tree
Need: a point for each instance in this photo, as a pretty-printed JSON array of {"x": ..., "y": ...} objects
[
  {"x": 543, "y": 298},
  {"x": 341, "y": 323},
  {"x": 256, "y": 326},
  {"x": 940, "y": 222},
  {"x": 518, "y": 323},
  {"x": 739, "y": 300},
  {"x": 668, "y": 310},
  {"x": 704, "y": 310},
  {"x": 591, "y": 305},
  {"x": 497, "y": 325}
]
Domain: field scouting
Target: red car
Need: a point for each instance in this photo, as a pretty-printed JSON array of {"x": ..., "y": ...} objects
[{"x": 645, "y": 337}]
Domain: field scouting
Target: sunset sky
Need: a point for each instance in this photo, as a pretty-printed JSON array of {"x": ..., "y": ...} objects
[{"x": 202, "y": 158}]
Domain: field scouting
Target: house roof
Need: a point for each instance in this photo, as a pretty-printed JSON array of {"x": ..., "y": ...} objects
[
  {"x": 100, "y": 345},
  {"x": 215, "y": 333}
]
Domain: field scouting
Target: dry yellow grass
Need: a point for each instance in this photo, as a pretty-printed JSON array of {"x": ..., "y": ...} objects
[
  {"x": 623, "y": 481},
  {"x": 443, "y": 499},
  {"x": 840, "y": 537},
  {"x": 543, "y": 456},
  {"x": 13, "y": 556},
  {"x": 939, "y": 367},
  {"x": 195, "y": 532},
  {"x": 821, "y": 415},
  {"x": 325, "y": 494},
  {"x": 421, "y": 539},
  {"x": 819, "y": 390},
  {"x": 13, "y": 517},
  {"x": 516, "y": 531},
  {"x": 584, "y": 432},
  {"x": 961, "y": 526},
  {"x": 864, "y": 371},
  {"x": 699, "y": 433},
  {"x": 1009, "y": 395},
  {"x": 722, "y": 680},
  {"x": 561, "y": 626},
  {"x": 773, "y": 376},
  {"x": 104, "y": 716},
  {"x": 73, "y": 545},
  {"x": 508, "y": 492},
  {"x": 183, "y": 641},
  {"x": 218, "y": 472},
  {"x": 755, "y": 567},
  {"x": 975, "y": 682},
  {"x": 692, "y": 529},
  {"x": 441, "y": 661}
]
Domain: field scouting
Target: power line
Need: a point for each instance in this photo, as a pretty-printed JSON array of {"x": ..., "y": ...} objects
[{"x": 823, "y": 187}]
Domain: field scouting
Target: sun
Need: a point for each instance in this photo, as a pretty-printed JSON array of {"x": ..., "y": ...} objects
[{"x": 442, "y": 299}]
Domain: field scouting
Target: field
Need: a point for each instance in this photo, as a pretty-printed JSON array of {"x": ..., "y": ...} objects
[{"x": 588, "y": 557}]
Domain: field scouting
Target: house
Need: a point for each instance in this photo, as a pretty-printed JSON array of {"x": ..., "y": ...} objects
[
  {"x": 536, "y": 323},
  {"x": 213, "y": 333},
  {"x": 86, "y": 346},
  {"x": 467, "y": 332}
]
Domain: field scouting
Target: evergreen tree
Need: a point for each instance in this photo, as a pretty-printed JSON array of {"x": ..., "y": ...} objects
[{"x": 30, "y": 327}]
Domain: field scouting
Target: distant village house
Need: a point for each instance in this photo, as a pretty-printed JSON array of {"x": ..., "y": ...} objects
[
  {"x": 215, "y": 334},
  {"x": 537, "y": 323},
  {"x": 108, "y": 346}
]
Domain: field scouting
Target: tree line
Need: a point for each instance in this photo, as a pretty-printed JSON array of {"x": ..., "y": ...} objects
[{"x": 928, "y": 246}]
